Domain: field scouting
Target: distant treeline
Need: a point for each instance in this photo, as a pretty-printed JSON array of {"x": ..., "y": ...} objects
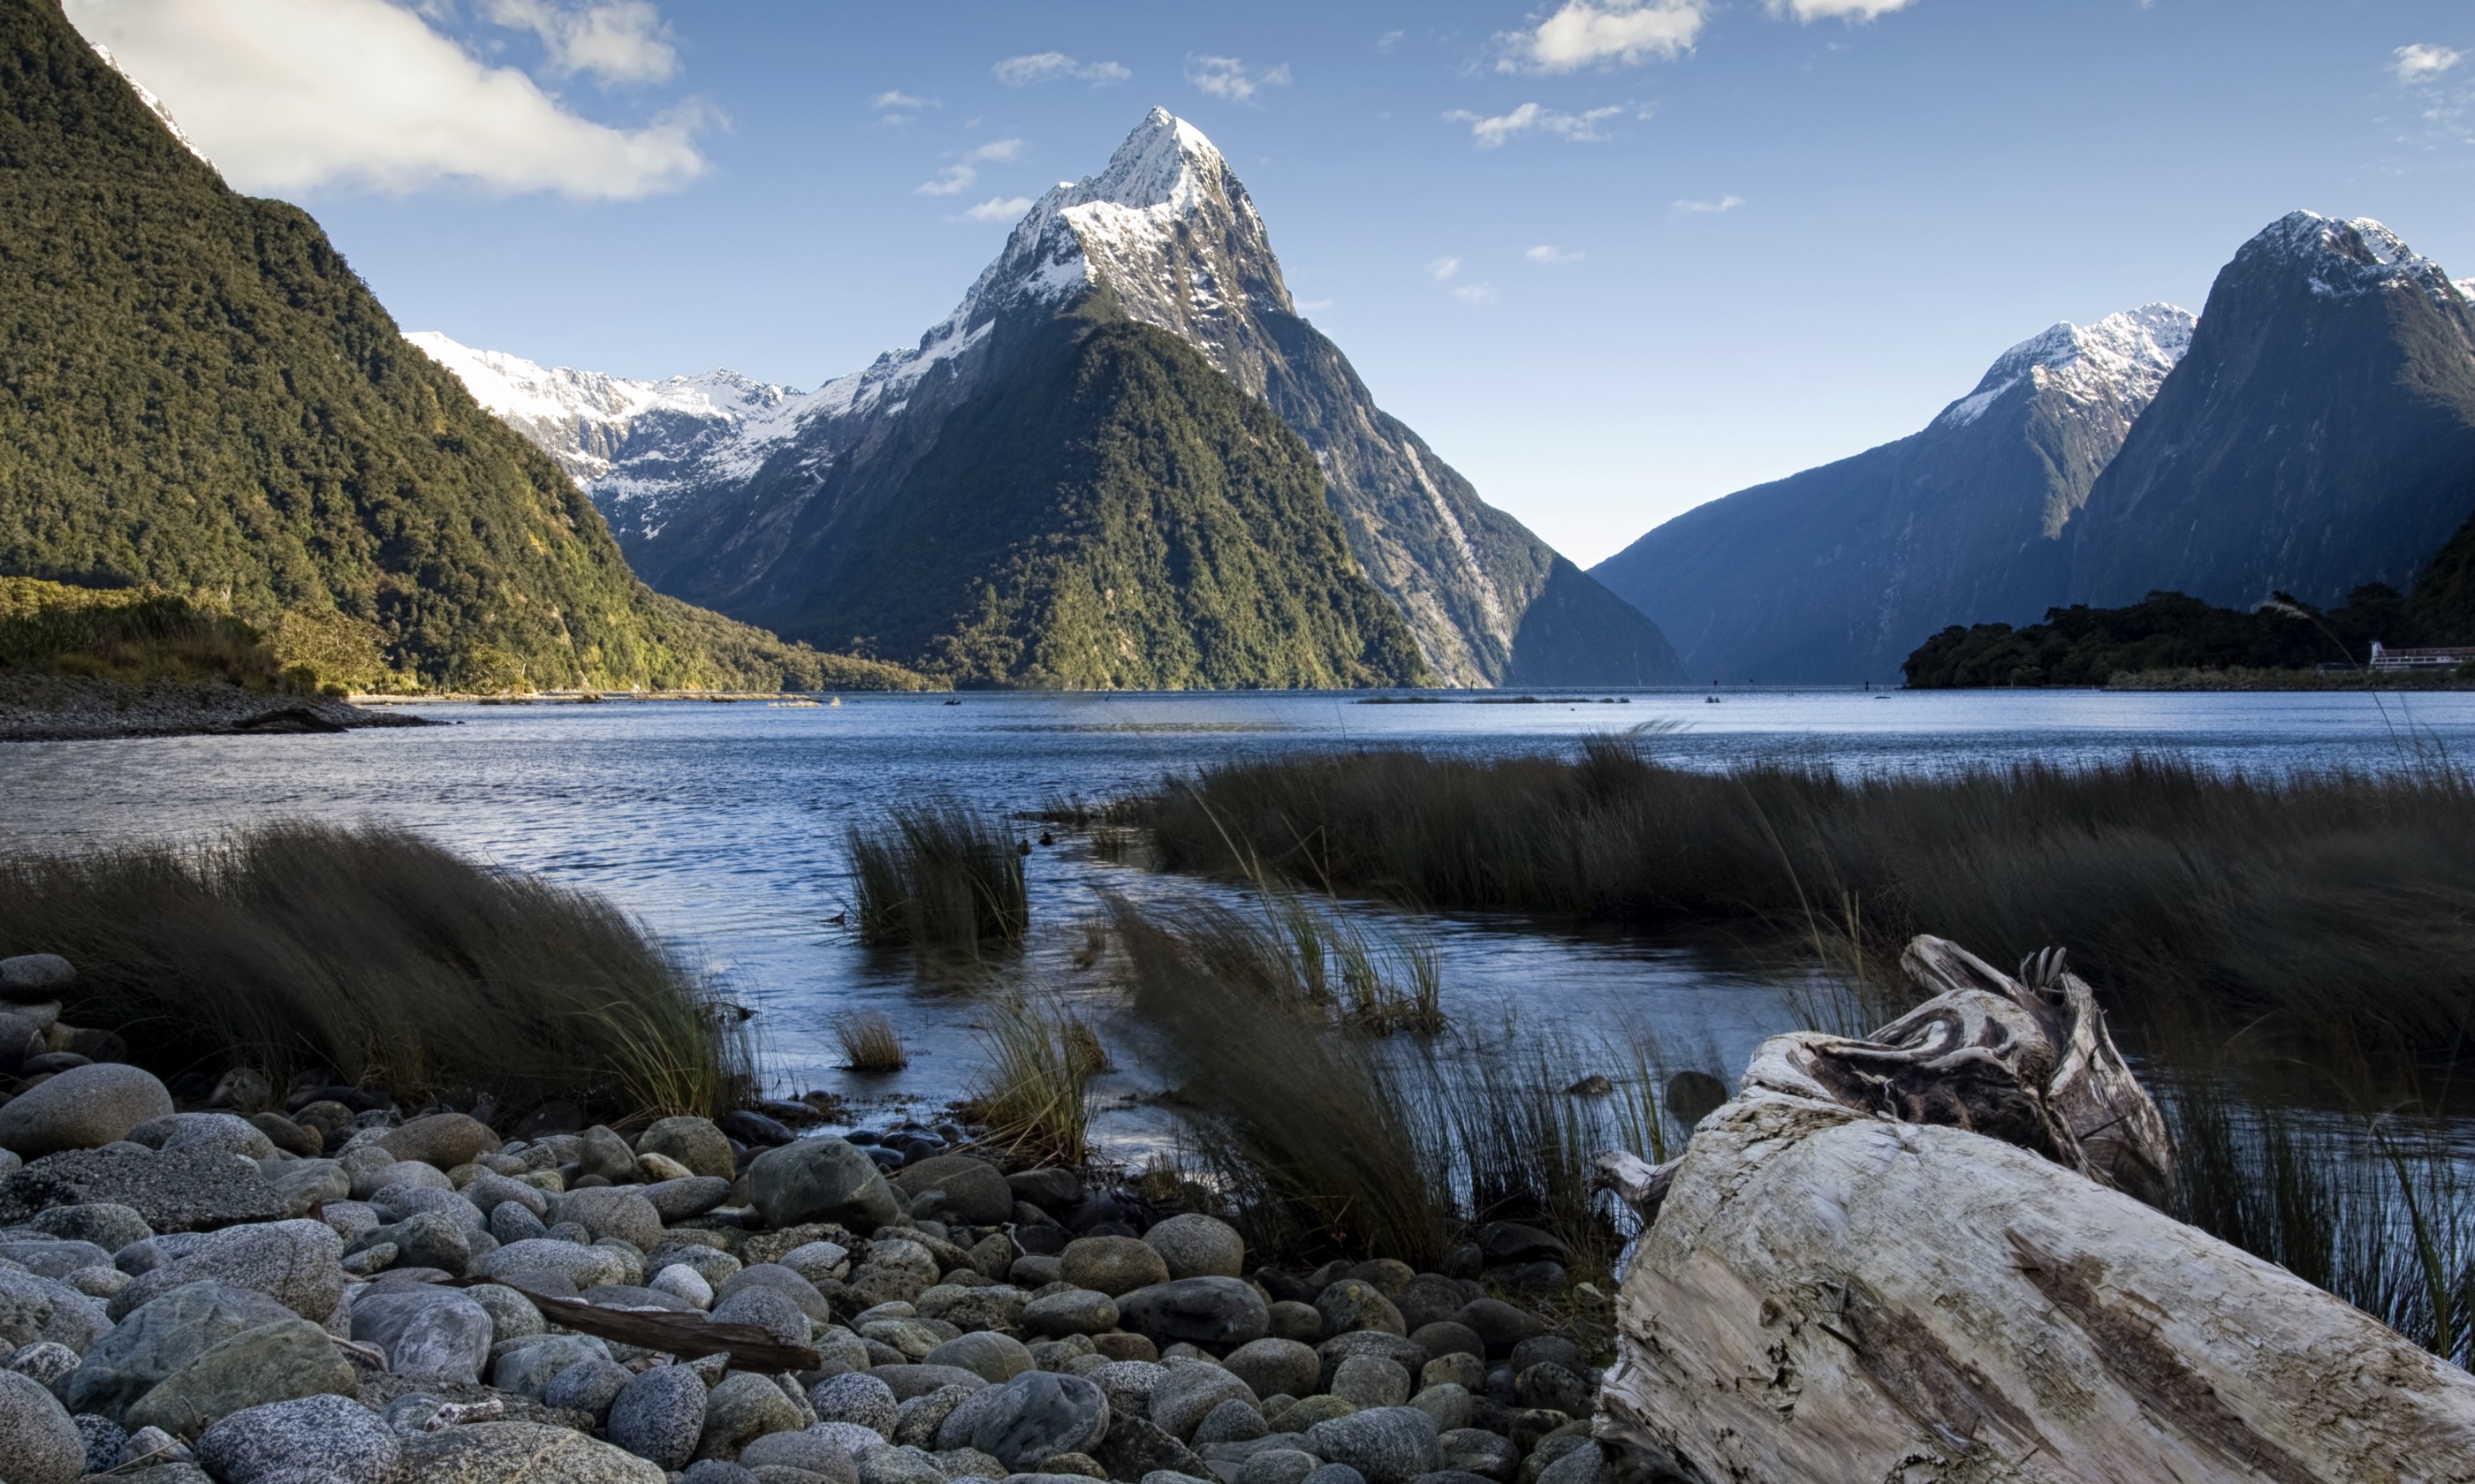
[{"x": 2080, "y": 646}]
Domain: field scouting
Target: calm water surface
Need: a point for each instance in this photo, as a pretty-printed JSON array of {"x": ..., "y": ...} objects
[{"x": 720, "y": 825}]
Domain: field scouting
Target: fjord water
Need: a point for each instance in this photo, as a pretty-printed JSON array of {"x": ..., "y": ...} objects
[{"x": 720, "y": 825}]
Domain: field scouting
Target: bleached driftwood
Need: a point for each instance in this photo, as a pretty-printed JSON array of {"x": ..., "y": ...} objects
[{"x": 1882, "y": 1261}]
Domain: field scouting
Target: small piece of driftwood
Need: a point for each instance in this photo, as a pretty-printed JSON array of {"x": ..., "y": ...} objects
[{"x": 674, "y": 1332}]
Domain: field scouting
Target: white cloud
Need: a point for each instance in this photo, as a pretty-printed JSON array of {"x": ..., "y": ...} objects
[
  {"x": 1811, "y": 11},
  {"x": 285, "y": 95},
  {"x": 1057, "y": 66},
  {"x": 614, "y": 40},
  {"x": 1724, "y": 203},
  {"x": 1228, "y": 78},
  {"x": 2422, "y": 62},
  {"x": 1388, "y": 40},
  {"x": 1475, "y": 293},
  {"x": 1532, "y": 117},
  {"x": 999, "y": 208},
  {"x": 1443, "y": 268},
  {"x": 1586, "y": 33},
  {"x": 1546, "y": 257},
  {"x": 956, "y": 179}
]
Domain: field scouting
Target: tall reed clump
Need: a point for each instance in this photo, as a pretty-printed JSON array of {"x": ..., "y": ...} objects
[
  {"x": 1034, "y": 1096},
  {"x": 869, "y": 1042},
  {"x": 380, "y": 955},
  {"x": 2337, "y": 897},
  {"x": 937, "y": 877},
  {"x": 1327, "y": 1138}
]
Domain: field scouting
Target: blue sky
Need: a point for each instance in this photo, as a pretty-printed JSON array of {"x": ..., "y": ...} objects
[{"x": 1610, "y": 258}]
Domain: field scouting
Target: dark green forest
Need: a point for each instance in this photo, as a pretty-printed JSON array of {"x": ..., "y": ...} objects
[
  {"x": 199, "y": 397},
  {"x": 1130, "y": 520},
  {"x": 2080, "y": 646}
]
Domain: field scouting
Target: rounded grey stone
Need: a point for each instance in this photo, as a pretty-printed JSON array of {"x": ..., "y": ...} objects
[
  {"x": 82, "y": 1108},
  {"x": 1371, "y": 1381},
  {"x": 107, "y": 1224},
  {"x": 1031, "y": 1417},
  {"x": 513, "y": 1315},
  {"x": 1213, "y": 1312},
  {"x": 1128, "y": 1385},
  {"x": 993, "y": 1357},
  {"x": 1233, "y": 1420},
  {"x": 1070, "y": 1311},
  {"x": 27, "y": 978},
  {"x": 527, "y": 1367},
  {"x": 1477, "y": 1451},
  {"x": 315, "y": 1437},
  {"x": 1274, "y": 1367},
  {"x": 768, "y": 1309},
  {"x": 857, "y": 1397},
  {"x": 974, "y": 1190},
  {"x": 39, "y": 1444},
  {"x": 1386, "y": 1445},
  {"x": 1355, "y": 1304},
  {"x": 1278, "y": 1466},
  {"x": 588, "y": 1386},
  {"x": 745, "y": 1406},
  {"x": 694, "y": 1142},
  {"x": 659, "y": 1416},
  {"x": 299, "y": 1264},
  {"x": 782, "y": 1280},
  {"x": 1195, "y": 1245},
  {"x": 1450, "y": 1405},
  {"x": 1184, "y": 1396},
  {"x": 613, "y": 1211},
  {"x": 811, "y": 1450},
  {"x": 823, "y": 1180},
  {"x": 428, "y": 1333},
  {"x": 1113, "y": 1265}
]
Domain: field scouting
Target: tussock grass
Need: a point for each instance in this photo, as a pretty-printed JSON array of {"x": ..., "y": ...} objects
[
  {"x": 869, "y": 1042},
  {"x": 377, "y": 953},
  {"x": 1330, "y": 1137},
  {"x": 937, "y": 877},
  {"x": 1033, "y": 1096},
  {"x": 2330, "y": 899}
]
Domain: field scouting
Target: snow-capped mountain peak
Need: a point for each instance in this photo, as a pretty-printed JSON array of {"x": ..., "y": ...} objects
[
  {"x": 154, "y": 105},
  {"x": 2121, "y": 360},
  {"x": 2347, "y": 258}
]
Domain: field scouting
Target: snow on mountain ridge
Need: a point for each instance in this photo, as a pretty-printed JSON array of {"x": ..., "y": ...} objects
[
  {"x": 2347, "y": 258},
  {"x": 2121, "y": 359}
]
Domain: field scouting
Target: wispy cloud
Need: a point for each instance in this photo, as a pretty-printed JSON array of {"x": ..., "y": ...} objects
[
  {"x": 1852, "y": 10},
  {"x": 999, "y": 208},
  {"x": 1442, "y": 269},
  {"x": 611, "y": 40},
  {"x": 1532, "y": 118},
  {"x": 1388, "y": 40},
  {"x": 1057, "y": 67},
  {"x": 287, "y": 95},
  {"x": 1600, "y": 33},
  {"x": 1476, "y": 293},
  {"x": 1546, "y": 257},
  {"x": 961, "y": 176},
  {"x": 2422, "y": 62},
  {"x": 899, "y": 107},
  {"x": 1229, "y": 79},
  {"x": 1722, "y": 205}
]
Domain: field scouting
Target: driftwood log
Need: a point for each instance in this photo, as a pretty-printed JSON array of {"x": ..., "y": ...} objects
[
  {"x": 1916, "y": 1258},
  {"x": 684, "y": 1335}
]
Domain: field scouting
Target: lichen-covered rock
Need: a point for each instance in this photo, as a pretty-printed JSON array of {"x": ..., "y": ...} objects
[
  {"x": 36, "y": 1310},
  {"x": 612, "y": 1211},
  {"x": 857, "y": 1397},
  {"x": 745, "y": 1407},
  {"x": 299, "y": 1264},
  {"x": 1371, "y": 1381},
  {"x": 160, "y": 1338},
  {"x": 440, "y": 1140},
  {"x": 278, "y": 1362},
  {"x": 1273, "y": 1366},
  {"x": 1355, "y": 1304},
  {"x": 1113, "y": 1265}
]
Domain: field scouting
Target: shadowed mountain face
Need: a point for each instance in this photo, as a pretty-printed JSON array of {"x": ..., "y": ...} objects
[
  {"x": 198, "y": 394},
  {"x": 1834, "y": 575},
  {"x": 771, "y": 504},
  {"x": 2320, "y": 434}
]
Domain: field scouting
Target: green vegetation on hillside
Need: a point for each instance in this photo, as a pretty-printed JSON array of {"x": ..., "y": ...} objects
[
  {"x": 133, "y": 635},
  {"x": 197, "y": 396},
  {"x": 2080, "y": 646},
  {"x": 1129, "y": 519}
]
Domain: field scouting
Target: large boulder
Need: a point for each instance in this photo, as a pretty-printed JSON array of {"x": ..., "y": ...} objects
[
  {"x": 1070, "y": 1311},
  {"x": 996, "y": 1357},
  {"x": 432, "y": 1333},
  {"x": 1032, "y": 1418},
  {"x": 34, "y": 1310},
  {"x": 823, "y": 1180},
  {"x": 544, "y": 1263},
  {"x": 660, "y": 1416},
  {"x": 299, "y": 1264},
  {"x": 161, "y": 1337},
  {"x": 324, "y": 1437},
  {"x": 81, "y": 1108},
  {"x": 975, "y": 1189},
  {"x": 39, "y": 1444},
  {"x": 698, "y": 1145},
  {"x": 612, "y": 1211},
  {"x": 1213, "y": 1312},
  {"x": 271, "y": 1363},
  {"x": 191, "y": 1191}
]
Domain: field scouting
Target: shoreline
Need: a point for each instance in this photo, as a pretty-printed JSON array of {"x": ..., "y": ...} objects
[{"x": 64, "y": 708}]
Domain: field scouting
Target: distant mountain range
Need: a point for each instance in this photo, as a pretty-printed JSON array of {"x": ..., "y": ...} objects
[
  {"x": 913, "y": 508},
  {"x": 198, "y": 395},
  {"x": 2313, "y": 430}
]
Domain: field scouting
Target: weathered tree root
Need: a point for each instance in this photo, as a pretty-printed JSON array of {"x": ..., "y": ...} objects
[{"x": 1916, "y": 1257}]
